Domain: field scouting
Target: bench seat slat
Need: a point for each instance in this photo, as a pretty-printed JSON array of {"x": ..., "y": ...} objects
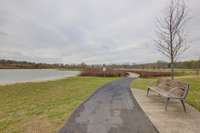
[{"x": 164, "y": 93}]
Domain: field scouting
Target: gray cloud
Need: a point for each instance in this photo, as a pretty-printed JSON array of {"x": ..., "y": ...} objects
[{"x": 91, "y": 31}]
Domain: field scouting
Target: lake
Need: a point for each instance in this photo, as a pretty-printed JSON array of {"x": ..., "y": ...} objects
[{"x": 8, "y": 76}]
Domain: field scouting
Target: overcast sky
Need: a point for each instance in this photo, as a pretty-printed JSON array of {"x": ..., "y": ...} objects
[{"x": 90, "y": 31}]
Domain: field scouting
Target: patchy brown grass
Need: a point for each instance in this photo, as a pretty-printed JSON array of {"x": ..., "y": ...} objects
[{"x": 43, "y": 107}]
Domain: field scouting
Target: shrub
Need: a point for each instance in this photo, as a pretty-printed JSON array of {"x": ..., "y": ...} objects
[
  {"x": 101, "y": 73},
  {"x": 146, "y": 74}
]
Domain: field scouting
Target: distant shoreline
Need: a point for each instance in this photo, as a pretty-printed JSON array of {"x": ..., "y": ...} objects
[{"x": 14, "y": 64}]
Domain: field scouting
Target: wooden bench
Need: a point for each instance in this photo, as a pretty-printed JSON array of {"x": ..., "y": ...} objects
[{"x": 170, "y": 89}]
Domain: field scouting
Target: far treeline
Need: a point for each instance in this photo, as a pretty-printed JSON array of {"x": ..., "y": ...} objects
[
  {"x": 192, "y": 64},
  {"x": 11, "y": 64}
]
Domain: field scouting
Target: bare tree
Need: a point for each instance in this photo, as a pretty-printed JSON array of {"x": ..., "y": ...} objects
[{"x": 171, "y": 39}]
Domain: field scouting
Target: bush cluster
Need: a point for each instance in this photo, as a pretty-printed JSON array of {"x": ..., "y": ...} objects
[
  {"x": 101, "y": 73},
  {"x": 147, "y": 74}
]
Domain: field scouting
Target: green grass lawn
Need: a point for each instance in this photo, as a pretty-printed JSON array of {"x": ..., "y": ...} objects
[
  {"x": 194, "y": 94},
  {"x": 43, "y": 107},
  {"x": 178, "y": 71}
]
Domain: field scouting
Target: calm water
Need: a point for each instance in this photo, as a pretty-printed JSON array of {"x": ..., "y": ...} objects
[{"x": 26, "y": 75}]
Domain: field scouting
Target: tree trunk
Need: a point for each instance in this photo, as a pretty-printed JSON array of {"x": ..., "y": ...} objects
[
  {"x": 172, "y": 59},
  {"x": 198, "y": 67},
  {"x": 172, "y": 56},
  {"x": 172, "y": 69},
  {"x": 171, "y": 47}
]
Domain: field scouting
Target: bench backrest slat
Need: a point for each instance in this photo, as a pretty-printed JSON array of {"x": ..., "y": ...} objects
[{"x": 180, "y": 89}]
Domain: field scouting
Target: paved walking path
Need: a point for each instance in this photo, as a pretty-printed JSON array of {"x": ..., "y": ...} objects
[{"x": 111, "y": 109}]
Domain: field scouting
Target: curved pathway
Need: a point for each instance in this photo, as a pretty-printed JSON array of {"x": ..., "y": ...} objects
[{"x": 111, "y": 109}]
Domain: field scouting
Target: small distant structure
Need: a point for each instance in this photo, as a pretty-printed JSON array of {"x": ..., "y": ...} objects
[{"x": 104, "y": 69}]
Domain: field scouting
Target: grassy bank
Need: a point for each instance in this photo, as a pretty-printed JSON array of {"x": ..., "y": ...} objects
[
  {"x": 43, "y": 107},
  {"x": 194, "y": 94},
  {"x": 149, "y": 73}
]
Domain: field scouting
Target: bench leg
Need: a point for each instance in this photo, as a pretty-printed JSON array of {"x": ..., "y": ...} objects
[
  {"x": 148, "y": 89},
  {"x": 166, "y": 103},
  {"x": 182, "y": 102}
]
